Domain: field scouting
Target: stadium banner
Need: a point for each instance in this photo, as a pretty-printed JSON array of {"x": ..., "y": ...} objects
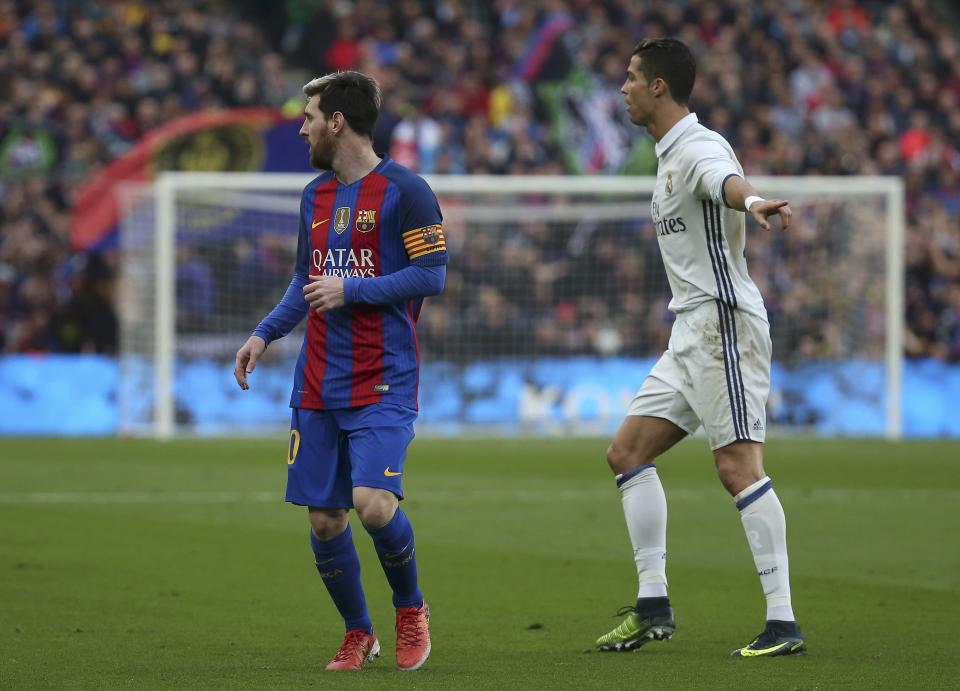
[
  {"x": 77, "y": 395},
  {"x": 26, "y": 151},
  {"x": 591, "y": 128},
  {"x": 242, "y": 139}
]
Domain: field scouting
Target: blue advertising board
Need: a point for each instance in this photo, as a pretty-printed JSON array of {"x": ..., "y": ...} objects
[{"x": 78, "y": 395}]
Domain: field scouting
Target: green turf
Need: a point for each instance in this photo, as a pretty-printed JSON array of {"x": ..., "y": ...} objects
[{"x": 132, "y": 564}]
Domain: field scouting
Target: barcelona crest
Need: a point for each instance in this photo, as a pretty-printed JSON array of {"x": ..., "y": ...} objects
[
  {"x": 366, "y": 220},
  {"x": 427, "y": 240},
  {"x": 341, "y": 219},
  {"x": 431, "y": 235}
]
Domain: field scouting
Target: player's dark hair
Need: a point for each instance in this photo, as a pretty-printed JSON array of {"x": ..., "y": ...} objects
[
  {"x": 671, "y": 61},
  {"x": 354, "y": 94}
]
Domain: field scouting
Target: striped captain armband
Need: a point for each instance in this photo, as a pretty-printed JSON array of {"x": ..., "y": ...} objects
[{"x": 426, "y": 240}]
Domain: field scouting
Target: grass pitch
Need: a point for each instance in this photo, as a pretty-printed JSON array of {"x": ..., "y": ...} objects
[{"x": 133, "y": 564}]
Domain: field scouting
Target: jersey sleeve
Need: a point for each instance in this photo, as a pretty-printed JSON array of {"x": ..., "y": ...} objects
[
  {"x": 301, "y": 268},
  {"x": 708, "y": 165},
  {"x": 292, "y": 307},
  {"x": 421, "y": 225},
  {"x": 409, "y": 283}
]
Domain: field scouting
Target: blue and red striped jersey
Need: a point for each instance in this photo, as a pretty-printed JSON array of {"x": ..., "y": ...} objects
[{"x": 378, "y": 225}]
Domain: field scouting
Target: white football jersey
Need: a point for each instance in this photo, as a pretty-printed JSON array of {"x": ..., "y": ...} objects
[{"x": 701, "y": 238}]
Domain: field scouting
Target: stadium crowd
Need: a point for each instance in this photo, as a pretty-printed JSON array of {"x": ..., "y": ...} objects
[
  {"x": 798, "y": 87},
  {"x": 80, "y": 83}
]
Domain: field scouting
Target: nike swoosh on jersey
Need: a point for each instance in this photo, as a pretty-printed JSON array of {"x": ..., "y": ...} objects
[
  {"x": 316, "y": 223},
  {"x": 390, "y": 473}
]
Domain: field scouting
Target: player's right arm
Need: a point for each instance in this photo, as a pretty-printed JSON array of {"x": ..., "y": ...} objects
[
  {"x": 247, "y": 358},
  {"x": 283, "y": 318},
  {"x": 736, "y": 191},
  {"x": 713, "y": 173}
]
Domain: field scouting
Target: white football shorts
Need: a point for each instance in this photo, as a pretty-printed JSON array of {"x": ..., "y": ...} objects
[{"x": 715, "y": 372}]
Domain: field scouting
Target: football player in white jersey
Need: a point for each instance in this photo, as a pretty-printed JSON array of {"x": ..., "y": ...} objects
[{"x": 716, "y": 369}]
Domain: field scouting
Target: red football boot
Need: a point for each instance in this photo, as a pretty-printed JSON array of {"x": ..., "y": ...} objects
[
  {"x": 413, "y": 636},
  {"x": 357, "y": 648}
]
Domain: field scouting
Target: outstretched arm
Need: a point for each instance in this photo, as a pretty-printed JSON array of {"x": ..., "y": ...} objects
[
  {"x": 326, "y": 293},
  {"x": 737, "y": 191}
]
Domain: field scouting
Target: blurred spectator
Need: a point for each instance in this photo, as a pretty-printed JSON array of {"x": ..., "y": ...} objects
[
  {"x": 195, "y": 290},
  {"x": 87, "y": 323}
]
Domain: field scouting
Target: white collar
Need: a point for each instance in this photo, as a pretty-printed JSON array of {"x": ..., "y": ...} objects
[{"x": 679, "y": 127}]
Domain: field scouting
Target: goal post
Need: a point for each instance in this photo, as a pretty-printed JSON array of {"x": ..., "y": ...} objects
[{"x": 555, "y": 304}]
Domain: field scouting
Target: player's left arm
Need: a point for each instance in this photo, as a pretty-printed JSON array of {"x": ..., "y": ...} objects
[
  {"x": 421, "y": 225},
  {"x": 736, "y": 191},
  {"x": 326, "y": 293}
]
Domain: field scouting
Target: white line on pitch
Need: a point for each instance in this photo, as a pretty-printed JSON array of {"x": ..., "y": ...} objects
[
  {"x": 135, "y": 497},
  {"x": 524, "y": 496},
  {"x": 520, "y": 496}
]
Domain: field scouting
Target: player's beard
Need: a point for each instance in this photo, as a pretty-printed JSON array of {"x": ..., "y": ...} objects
[{"x": 321, "y": 155}]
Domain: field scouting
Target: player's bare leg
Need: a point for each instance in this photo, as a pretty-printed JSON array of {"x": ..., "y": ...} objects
[
  {"x": 339, "y": 568},
  {"x": 392, "y": 535},
  {"x": 740, "y": 467},
  {"x": 375, "y": 507},
  {"x": 327, "y": 523},
  {"x": 639, "y": 441}
]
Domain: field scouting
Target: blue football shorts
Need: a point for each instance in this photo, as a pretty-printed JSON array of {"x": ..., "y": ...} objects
[{"x": 333, "y": 451}]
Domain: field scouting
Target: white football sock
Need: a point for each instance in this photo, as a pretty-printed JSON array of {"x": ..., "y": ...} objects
[
  {"x": 766, "y": 529},
  {"x": 645, "y": 508}
]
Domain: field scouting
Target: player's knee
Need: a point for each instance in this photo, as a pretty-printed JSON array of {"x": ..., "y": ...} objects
[
  {"x": 730, "y": 476},
  {"x": 621, "y": 459},
  {"x": 327, "y": 523},
  {"x": 375, "y": 507},
  {"x": 615, "y": 457},
  {"x": 738, "y": 471}
]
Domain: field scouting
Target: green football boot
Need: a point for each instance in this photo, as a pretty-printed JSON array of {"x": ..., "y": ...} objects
[
  {"x": 638, "y": 629},
  {"x": 779, "y": 638}
]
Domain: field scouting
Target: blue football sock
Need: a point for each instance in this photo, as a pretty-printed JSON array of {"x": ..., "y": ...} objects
[
  {"x": 394, "y": 545},
  {"x": 339, "y": 569}
]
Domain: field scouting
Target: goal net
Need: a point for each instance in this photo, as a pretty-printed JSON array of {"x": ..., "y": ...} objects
[{"x": 555, "y": 306}]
